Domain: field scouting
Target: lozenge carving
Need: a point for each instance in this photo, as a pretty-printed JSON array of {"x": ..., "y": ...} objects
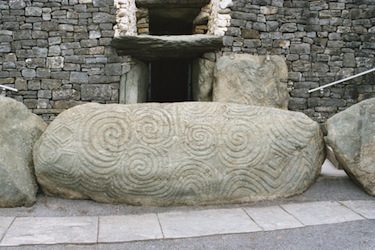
[{"x": 178, "y": 153}]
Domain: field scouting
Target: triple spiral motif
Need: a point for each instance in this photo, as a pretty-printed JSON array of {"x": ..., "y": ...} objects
[{"x": 171, "y": 154}]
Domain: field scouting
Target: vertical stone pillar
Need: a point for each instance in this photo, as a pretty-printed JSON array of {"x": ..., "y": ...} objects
[
  {"x": 134, "y": 83},
  {"x": 202, "y": 79}
]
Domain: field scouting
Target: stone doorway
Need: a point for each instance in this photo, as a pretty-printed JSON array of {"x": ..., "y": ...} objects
[
  {"x": 166, "y": 40},
  {"x": 170, "y": 80}
]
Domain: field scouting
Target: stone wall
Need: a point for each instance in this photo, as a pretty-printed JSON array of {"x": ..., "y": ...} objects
[
  {"x": 58, "y": 52},
  {"x": 322, "y": 40}
]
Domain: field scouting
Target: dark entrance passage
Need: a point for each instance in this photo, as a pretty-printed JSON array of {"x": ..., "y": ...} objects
[{"x": 170, "y": 80}]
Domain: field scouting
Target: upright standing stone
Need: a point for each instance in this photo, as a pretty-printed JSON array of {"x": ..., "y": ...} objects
[
  {"x": 254, "y": 80},
  {"x": 19, "y": 131},
  {"x": 351, "y": 134},
  {"x": 202, "y": 80},
  {"x": 178, "y": 153}
]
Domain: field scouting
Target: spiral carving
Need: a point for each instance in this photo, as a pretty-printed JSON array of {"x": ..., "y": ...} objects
[
  {"x": 163, "y": 154},
  {"x": 236, "y": 111},
  {"x": 200, "y": 140},
  {"x": 105, "y": 136},
  {"x": 243, "y": 145},
  {"x": 194, "y": 180},
  {"x": 192, "y": 110},
  {"x": 142, "y": 172},
  {"x": 154, "y": 127}
]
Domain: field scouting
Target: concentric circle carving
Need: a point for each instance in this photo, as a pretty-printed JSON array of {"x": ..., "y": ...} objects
[
  {"x": 142, "y": 172},
  {"x": 154, "y": 127},
  {"x": 242, "y": 145},
  {"x": 200, "y": 140},
  {"x": 105, "y": 136}
]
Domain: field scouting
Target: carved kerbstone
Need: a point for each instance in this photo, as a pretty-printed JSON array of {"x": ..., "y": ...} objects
[
  {"x": 351, "y": 135},
  {"x": 178, "y": 153}
]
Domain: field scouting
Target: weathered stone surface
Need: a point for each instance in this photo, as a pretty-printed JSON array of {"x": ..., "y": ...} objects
[
  {"x": 202, "y": 80},
  {"x": 351, "y": 134},
  {"x": 251, "y": 80},
  {"x": 134, "y": 87},
  {"x": 148, "y": 48},
  {"x": 171, "y": 3},
  {"x": 19, "y": 131},
  {"x": 178, "y": 153}
]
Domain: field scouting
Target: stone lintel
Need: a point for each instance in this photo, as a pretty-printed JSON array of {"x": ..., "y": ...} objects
[
  {"x": 171, "y": 3},
  {"x": 149, "y": 48}
]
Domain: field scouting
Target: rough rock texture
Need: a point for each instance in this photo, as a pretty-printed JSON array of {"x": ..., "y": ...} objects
[
  {"x": 171, "y": 3},
  {"x": 351, "y": 134},
  {"x": 251, "y": 80},
  {"x": 202, "y": 80},
  {"x": 150, "y": 48},
  {"x": 19, "y": 131},
  {"x": 135, "y": 85},
  {"x": 178, "y": 153}
]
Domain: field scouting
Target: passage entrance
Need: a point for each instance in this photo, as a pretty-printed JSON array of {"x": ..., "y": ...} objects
[{"x": 170, "y": 80}]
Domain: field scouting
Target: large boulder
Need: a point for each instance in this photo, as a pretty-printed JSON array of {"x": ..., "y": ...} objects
[
  {"x": 178, "y": 153},
  {"x": 351, "y": 135},
  {"x": 19, "y": 131},
  {"x": 253, "y": 80}
]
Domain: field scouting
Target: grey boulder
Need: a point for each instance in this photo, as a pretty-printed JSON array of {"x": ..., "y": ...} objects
[
  {"x": 178, "y": 153},
  {"x": 19, "y": 131},
  {"x": 253, "y": 80},
  {"x": 351, "y": 135}
]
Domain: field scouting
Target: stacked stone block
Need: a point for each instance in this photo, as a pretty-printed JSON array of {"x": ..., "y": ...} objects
[
  {"x": 57, "y": 53},
  {"x": 323, "y": 41}
]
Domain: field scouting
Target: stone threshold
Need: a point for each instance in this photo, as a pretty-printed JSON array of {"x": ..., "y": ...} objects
[
  {"x": 149, "y": 47},
  {"x": 20, "y": 231}
]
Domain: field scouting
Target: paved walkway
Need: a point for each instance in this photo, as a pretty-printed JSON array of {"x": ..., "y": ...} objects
[{"x": 17, "y": 231}]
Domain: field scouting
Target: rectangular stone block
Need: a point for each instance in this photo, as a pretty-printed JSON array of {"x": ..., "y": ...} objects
[
  {"x": 129, "y": 228},
  {"x": 272, "y": 218},
  {"x": 364, "y": 208},
  {"x": 317, "y": 213},
  {"x": 44, "y": 230},
  {"x": 79, "y": 77},
  {"x": 4, "y": 224},
  {"x": 207, "y": 222}
]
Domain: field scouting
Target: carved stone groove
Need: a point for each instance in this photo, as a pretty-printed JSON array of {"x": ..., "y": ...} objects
[{"x": 178, "y": 153}]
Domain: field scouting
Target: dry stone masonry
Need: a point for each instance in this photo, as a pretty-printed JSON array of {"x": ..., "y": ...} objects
[
  {"x": 59, "y": 53},
  {"x": 322, "y": 41},
  {"x": 181, "y": 153}
]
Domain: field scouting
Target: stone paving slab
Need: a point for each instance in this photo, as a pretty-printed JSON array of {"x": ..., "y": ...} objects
[
  {"x": 273, "y": 218},
  {"x": 18, "y": 231},
  {"x": 5, "y": 222},
  {"x": 364, "y": 208},
  {"x": 57, "y": 230},
  {"x": 319, "y": 213},
  {"x": 129, "y": 228},
  {"x": 207, "y": 222}
]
